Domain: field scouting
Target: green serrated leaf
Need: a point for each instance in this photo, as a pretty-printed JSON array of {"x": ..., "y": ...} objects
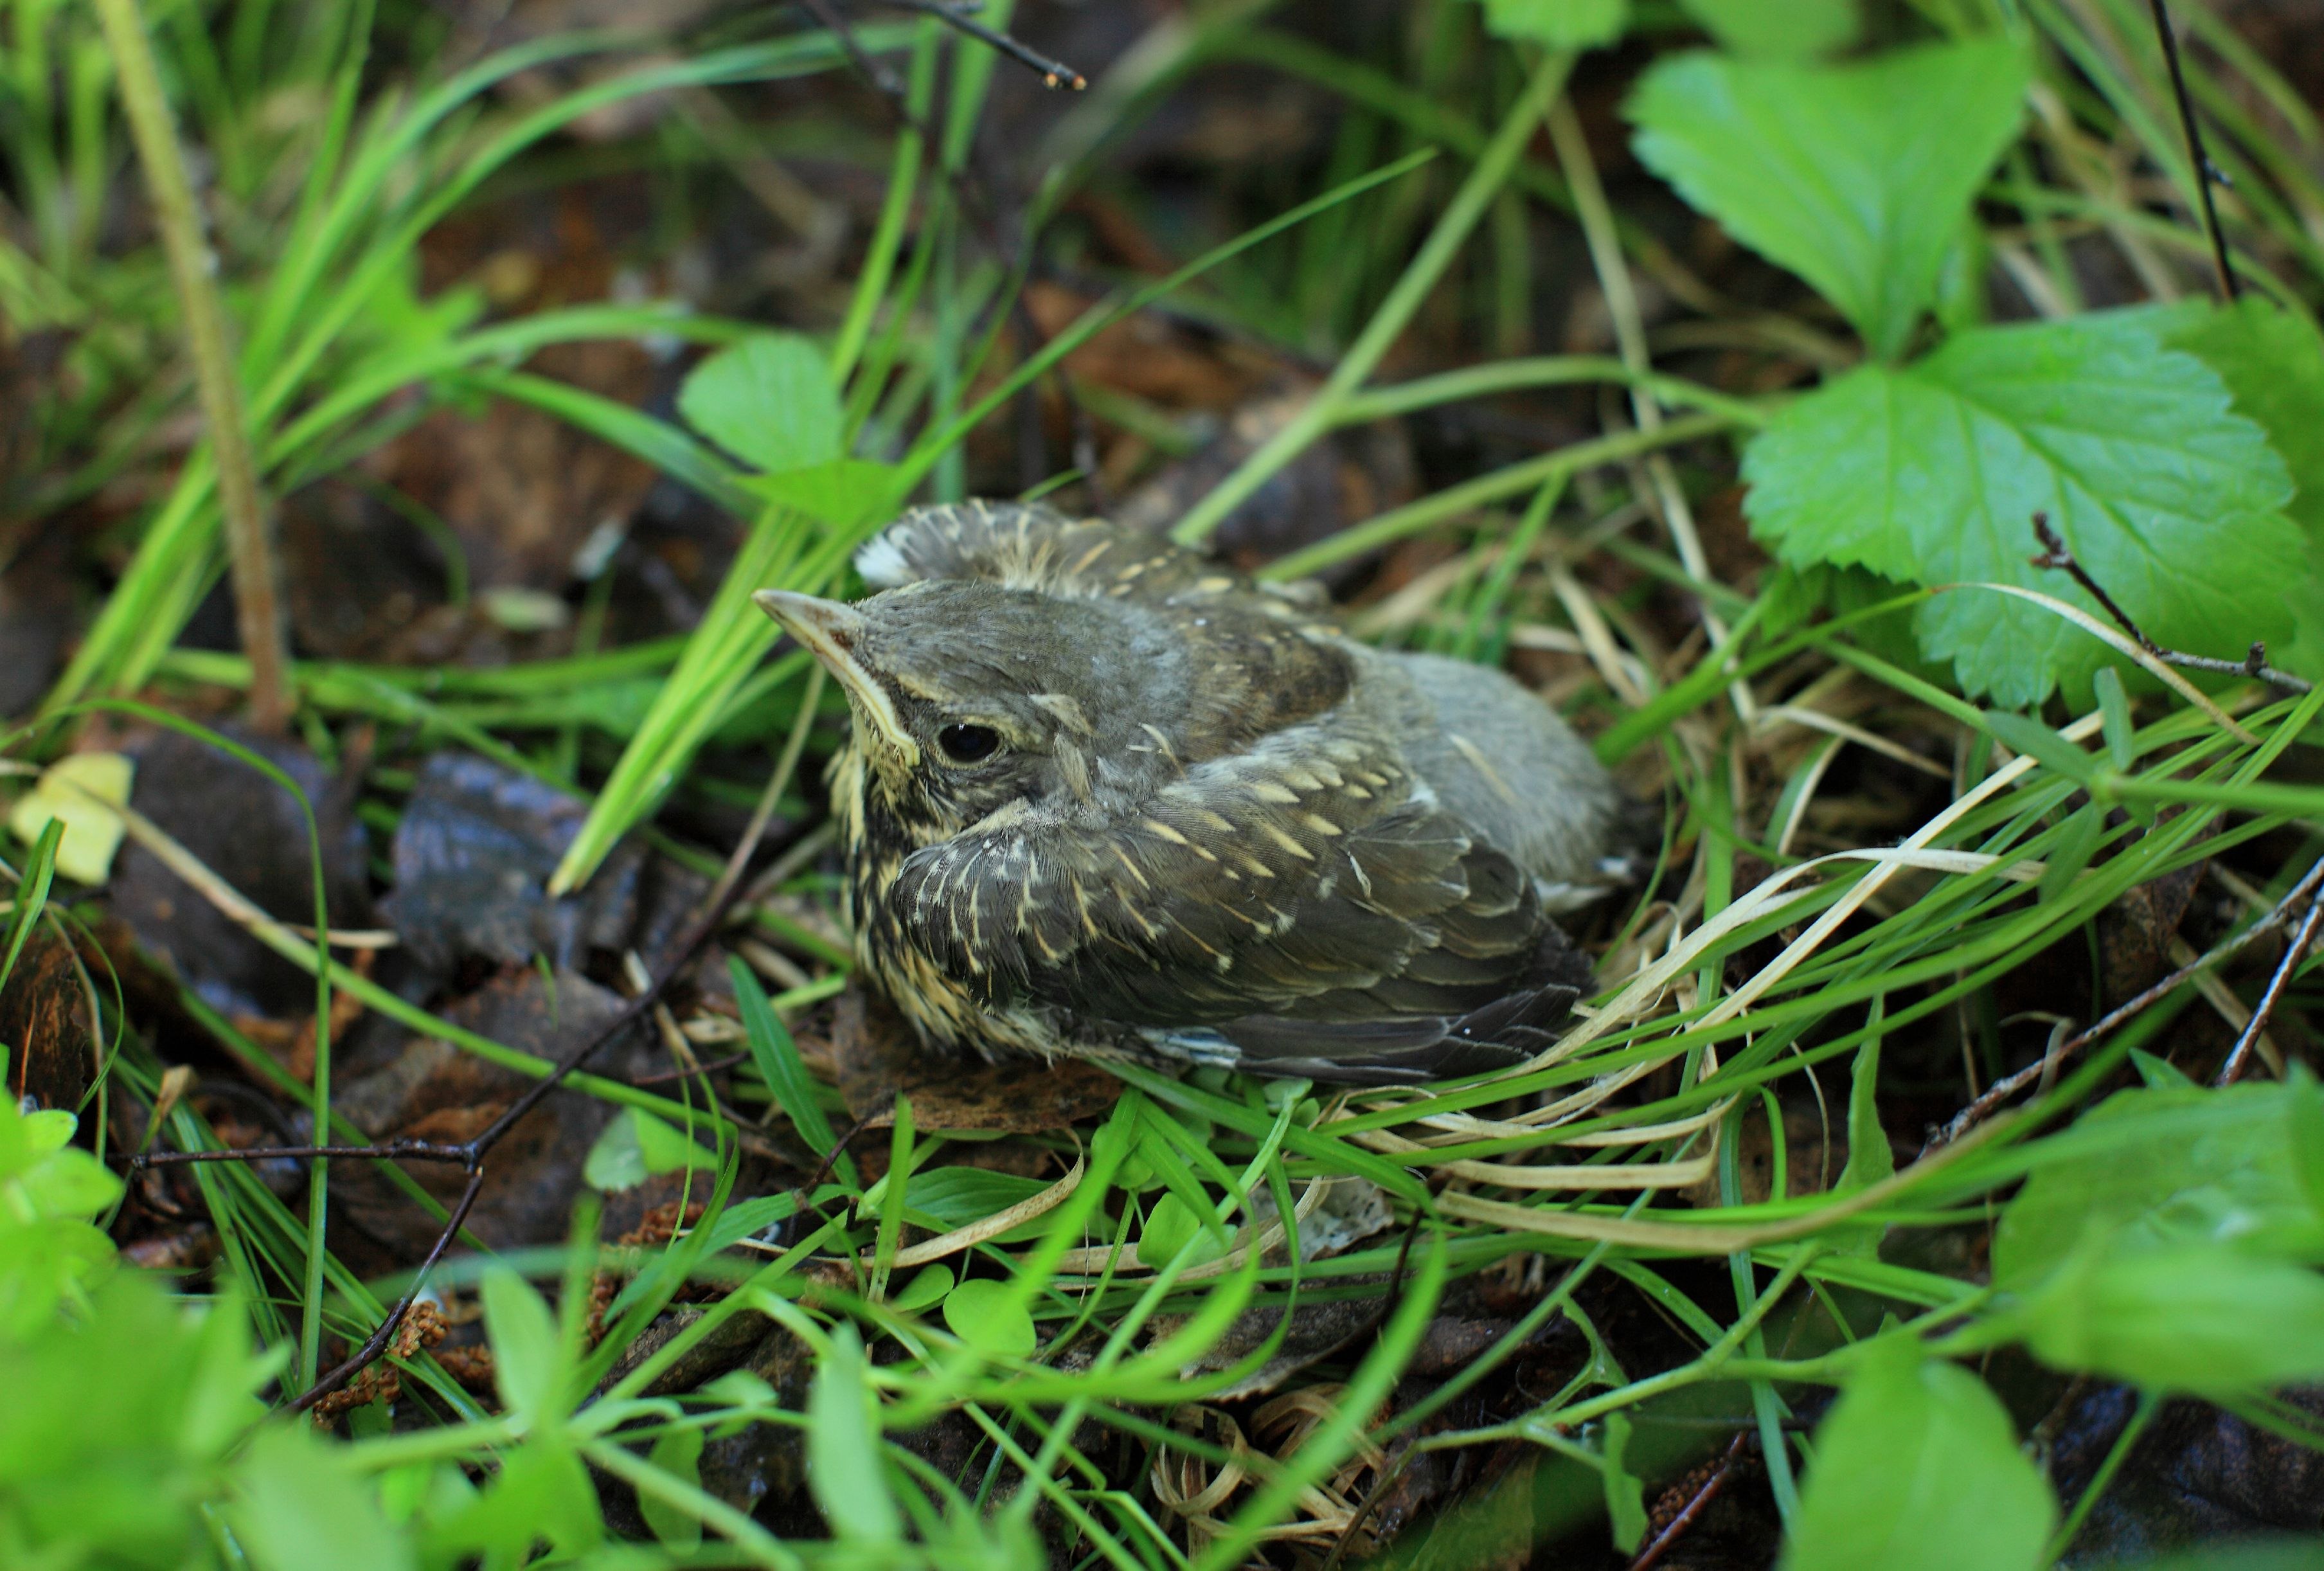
[
  {"x": 768, "y": 401},
  {"x": 1558, "y": 23},
  {"x": 988, "y": 1316},
  {"x": 1786, "y": 29},
  {"x": 2274, "y": 366},
  {"x": 1931, "y": 473},
  {"x": 1858, "y": 178},
  {"x": 1917, "y": 1468}
]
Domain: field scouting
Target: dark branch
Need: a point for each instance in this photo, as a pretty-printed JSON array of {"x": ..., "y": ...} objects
[
  {"x": 1054, "y": 73},
  {"x": 1696, "y": 1504},
  {"x": 1979, "y": 1111},
  {"x": 2296, "y": 951},
  {"x": 414, "y": 1150},
  {"x": 2054, "y": 555},
  {"x": 361, "y": 1359},
  {"x": 2206, "y": 172}
]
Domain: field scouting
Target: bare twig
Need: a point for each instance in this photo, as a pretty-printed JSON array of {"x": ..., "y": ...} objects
[
  {"x": 470, "y": 1154},
  {"x": 2205, "y": 170},
  {"x": 1697, "y": 1504},
  {"x": 2008, "y": 1085},
  {"x": 1054, "y": 73},
  {"x": 2054, "y": 555},
  {"x": 881, "y": 77},
  {"x": 361, "y": 1359},
  {"x": 2295, "y": 952},
  {"x": 411, "y": 1151},
  {"x": 973, "y": 195},
  {"x": 193, "y": 268}
]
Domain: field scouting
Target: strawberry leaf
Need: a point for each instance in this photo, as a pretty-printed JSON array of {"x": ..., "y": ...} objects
[
  {"x": 1931, "y": 473},
  {"x": 1858, "y": 178}
]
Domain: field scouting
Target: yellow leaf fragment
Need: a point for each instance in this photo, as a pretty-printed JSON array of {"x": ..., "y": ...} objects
[{"x": 81, "y": 791}]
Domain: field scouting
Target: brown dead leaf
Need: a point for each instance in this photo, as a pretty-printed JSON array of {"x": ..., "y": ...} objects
[
  {"x": 44, "y": 1028},
  {"x": 434, "y": 1091}
]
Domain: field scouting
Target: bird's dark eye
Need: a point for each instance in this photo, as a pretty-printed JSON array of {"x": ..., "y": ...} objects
[{"x": 968, "y": 744}]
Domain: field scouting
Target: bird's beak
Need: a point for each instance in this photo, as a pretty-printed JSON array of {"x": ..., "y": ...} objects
[{"x": 829, "y": 630}]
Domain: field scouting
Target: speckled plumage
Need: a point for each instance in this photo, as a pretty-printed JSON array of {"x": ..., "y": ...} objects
[{"x": 1212, "y": 829}]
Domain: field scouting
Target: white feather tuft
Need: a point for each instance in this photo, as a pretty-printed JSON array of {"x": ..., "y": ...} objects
[{"x": 881, "y": 562}]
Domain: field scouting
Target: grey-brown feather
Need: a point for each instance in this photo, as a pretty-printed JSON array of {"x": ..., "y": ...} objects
[{"x": 1316, "y": 858}]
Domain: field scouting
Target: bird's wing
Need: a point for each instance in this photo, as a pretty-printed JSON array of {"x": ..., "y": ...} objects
[{"x": 1297, "y": 896}]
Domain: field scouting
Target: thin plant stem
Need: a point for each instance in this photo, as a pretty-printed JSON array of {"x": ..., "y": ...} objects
[
  {"x": 2199, "y": 160},
  {"x": 1436, "y": 253},
  {"x": 1596, "y": 216},
  {"x": 193, "y": 268}
]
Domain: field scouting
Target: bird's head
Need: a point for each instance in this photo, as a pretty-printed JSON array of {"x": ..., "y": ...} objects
[{"x": 969, "y": 696}]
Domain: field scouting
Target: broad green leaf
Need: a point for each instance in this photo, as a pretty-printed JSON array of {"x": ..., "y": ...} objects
[
  {"x": 1858, "y": 178},
  {"x": 843, "y": 1448},
  {"x": 1558, "y": 23},
  {"x": 2274, "y": 366},
  {"x": 1931, "y": 473},
  {"x": 929, "y": 1287},
  {"x": 634, "y": 1146},
  {"x": 298, "y": 1507},
  {"x": 49, "y": 1251},
  {"x": 987, "y": 1316},
  {"x": 840, "y": 492},
  {"x": 1170, "y": 1223},
  {"x": 528, "y": 1363},
  {"x": 768, "y": 401},
  {"x": 2202, "y": 1319},
  {"x": 1917, "y": 1469},
  {"x": 678, "y": 1452},
  {"x": 2161, "y": 1168},
  {"x": 1788, "y": 29},
  {"x": 955, "y": 1197}
]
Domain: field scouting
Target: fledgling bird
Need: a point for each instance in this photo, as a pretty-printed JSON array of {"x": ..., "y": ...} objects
[{"x": 1102, "y": 797}]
